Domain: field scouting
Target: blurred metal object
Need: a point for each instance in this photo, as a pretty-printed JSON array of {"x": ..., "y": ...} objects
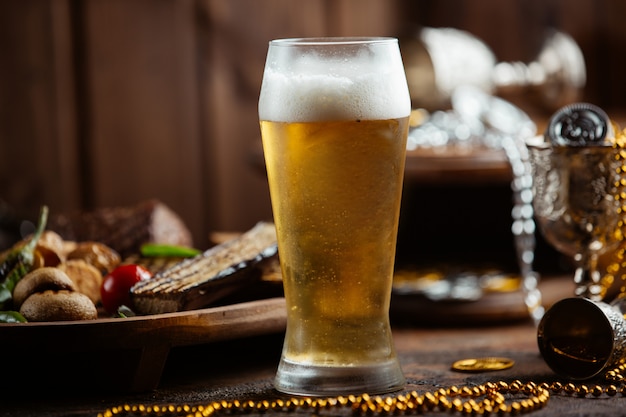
[
  {"x": 581, "y": 339},
  {"x": 439, "y": 60},
  {"x": 476, "y": 119},
  {"x": 454, "y": 284},
  {"x": 580, "y": 124}
]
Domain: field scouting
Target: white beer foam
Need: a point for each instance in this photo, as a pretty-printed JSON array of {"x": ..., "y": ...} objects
[{"x": 314, "y": 88}]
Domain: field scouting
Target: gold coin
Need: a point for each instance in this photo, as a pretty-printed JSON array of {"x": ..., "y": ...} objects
[{"x": 482, "y": 364}]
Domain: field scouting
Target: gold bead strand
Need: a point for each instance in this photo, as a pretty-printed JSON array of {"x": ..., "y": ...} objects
[
  {"x": 618, "y": 264},
  {"x": 484, "y": 399}
]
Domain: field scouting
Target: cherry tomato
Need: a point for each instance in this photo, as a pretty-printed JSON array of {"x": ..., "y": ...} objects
[{"x": 115, "y": 289}]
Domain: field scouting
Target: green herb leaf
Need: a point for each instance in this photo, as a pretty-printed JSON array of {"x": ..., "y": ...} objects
[
  {"x": 150, "y": 250},
  {"x": 11, "y": 317},
  {"x": 20, "y": 261}
]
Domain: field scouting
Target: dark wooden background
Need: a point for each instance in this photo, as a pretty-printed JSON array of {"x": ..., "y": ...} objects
[{"x": 109, "y": 102}]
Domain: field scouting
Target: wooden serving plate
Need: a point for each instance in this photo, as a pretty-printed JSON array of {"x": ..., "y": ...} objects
[{"x": 124, "y": 354}]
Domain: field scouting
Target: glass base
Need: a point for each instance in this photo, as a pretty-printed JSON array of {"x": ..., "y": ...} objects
[{"x": 305, "y": 379}]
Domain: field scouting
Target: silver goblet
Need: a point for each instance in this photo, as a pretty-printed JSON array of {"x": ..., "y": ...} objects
[{"x": 576, "y": 173}]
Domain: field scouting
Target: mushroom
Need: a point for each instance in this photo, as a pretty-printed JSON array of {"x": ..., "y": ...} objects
[
  {"x": 49, "y": 294},
  {"x": 39, "y": 280},
  {"x": 62, "y": 305}
]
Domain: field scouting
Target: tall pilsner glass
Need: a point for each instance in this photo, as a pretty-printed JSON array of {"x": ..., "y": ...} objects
[{"x": 334, "y": 116}]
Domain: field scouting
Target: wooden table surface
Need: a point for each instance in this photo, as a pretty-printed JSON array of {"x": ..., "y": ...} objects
[{"x": 244, "y": 368}]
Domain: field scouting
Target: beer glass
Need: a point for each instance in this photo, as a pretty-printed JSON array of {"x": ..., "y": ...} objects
[{"x": 334, "y": 115}]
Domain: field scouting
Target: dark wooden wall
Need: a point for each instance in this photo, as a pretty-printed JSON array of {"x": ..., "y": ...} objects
[{"x": 108, "y": 102}]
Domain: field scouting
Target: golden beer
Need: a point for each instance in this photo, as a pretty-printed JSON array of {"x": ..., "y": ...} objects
[
  {"x": 337, "y": 188},
  {"x": 334, "y": 130}
]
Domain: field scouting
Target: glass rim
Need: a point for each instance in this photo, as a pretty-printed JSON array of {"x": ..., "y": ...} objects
[{"x": 333, "y": 40}]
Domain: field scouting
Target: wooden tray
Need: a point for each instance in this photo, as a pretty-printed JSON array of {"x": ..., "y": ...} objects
[{"x": 124, "y": 354}]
